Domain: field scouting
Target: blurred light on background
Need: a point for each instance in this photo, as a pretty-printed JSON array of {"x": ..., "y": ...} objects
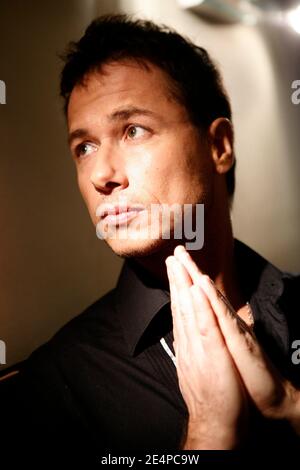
[{"x": 293, "y": 19}]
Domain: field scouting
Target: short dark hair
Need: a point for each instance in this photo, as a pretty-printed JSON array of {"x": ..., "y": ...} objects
[{"x": 115, "y": 37}]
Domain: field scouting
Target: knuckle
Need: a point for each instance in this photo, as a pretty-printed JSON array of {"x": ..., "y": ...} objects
[{"x": 204, "y": 330}]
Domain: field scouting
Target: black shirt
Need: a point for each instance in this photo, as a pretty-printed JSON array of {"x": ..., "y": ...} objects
[{"x": 105, "y": 383}]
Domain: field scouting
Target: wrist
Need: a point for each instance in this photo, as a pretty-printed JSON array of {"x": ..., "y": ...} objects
[
  {"x": 201, "y": 437},
  {"x": 292, "y": 413}
]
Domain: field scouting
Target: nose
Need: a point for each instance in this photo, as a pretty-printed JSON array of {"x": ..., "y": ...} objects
[{"x": 108, "y": 170}]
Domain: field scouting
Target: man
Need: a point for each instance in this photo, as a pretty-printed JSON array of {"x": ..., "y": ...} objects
[{"x": 171, "y": 358}]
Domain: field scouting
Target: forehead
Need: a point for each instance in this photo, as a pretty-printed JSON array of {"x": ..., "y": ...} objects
[{"x": 125, "y": 82}]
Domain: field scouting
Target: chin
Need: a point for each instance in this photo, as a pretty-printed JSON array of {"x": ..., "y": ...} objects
[{"x": 136, "y": 248}]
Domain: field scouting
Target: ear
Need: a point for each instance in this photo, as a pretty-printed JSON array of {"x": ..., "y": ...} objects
[{"x": 220, "y": 135}]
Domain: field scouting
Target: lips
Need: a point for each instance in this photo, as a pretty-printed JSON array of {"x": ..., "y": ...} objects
[
  {"x": 104, "y": 211},
  {"x": 118, "y": 214}
]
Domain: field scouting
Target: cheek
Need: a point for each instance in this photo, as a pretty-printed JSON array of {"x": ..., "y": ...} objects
[
  {"x": 142, "y": 171},
  {"x": 151, "y": 161},
  {"x": 163, "y": 168},
  {"x": 139, "y": 162}
]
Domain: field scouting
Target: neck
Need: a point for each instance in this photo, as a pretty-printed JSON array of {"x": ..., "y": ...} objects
[{"x": 216, "y": 258}]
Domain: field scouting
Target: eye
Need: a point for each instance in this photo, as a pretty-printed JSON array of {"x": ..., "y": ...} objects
[
  {"x": 135, "y": 132},
  {"x": 84, "y": 149}
]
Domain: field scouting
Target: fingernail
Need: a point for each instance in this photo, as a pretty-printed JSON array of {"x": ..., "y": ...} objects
[
  {"x": 179, "y": 250},
  {"x": 170, "y": 261}
]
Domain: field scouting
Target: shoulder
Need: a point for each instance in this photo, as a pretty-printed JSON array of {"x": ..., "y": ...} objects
[
  {"x": 89, "y": 329},
  {"x": 264, "y": 279},
  {"x": 95, "y": 318}
]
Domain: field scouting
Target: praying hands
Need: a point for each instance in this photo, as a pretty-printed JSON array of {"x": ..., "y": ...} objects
[{"x": 220, "y": 364}]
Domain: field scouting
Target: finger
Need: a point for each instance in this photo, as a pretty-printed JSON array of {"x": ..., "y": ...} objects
[
  {"x": 259, "y": 375},
  {"x": 197, "y": 277},
  {"x": 207, "y": 323},
  {"x": 226, "y": 315},
  {"x": 179, "y": 330},
  {"x": 206, "y": 320},
  {"x": 185, "y": 258},
  {"x": 241, "y": 343},
  {"x": 181, "y": 290}
]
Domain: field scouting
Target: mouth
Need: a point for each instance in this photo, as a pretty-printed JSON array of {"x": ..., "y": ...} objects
[
  {"x": 122, "y": 218},
  {"x": 118, "y": 215}
]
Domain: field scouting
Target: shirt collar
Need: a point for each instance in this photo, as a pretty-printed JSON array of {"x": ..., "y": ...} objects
[
  {"x": 258, "y": 277},
  {"x": 139, "y": 298}
]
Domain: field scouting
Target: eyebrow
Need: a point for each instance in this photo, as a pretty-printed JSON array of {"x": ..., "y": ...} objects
[
  {"x": 128, "y": 112},
  {"x": 121, "y": 114},
  {"x": 77, "y": 134}
]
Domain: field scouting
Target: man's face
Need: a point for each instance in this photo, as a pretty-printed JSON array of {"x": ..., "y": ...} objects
[{"x": 133, "y": 144}]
